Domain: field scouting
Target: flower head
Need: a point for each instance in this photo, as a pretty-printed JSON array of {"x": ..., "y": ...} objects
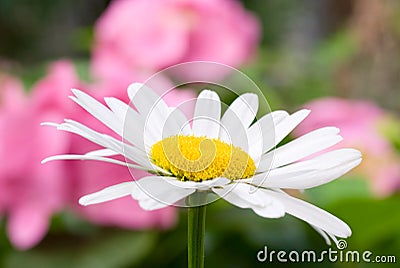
[
  {"x": 227, "y": 156},
  {"x": 199, "y": 159}
]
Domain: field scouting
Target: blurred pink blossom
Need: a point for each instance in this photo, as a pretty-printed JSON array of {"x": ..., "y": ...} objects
[
  {"x": 154, "y": 34},
  {"x": 29, "y": 192},
  {"x": 359, "y": 123}
]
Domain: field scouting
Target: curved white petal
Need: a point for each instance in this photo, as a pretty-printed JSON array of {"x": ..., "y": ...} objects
[
  {"x": 310, "y": 173},
  {"x": 98, "y": 110},
  {"x": 153, "y": 110},
  {"x": 247, "y": 196},
  {"x": 313, "y": 215},
  {"x": 303, "y": 146},
  {"x": 102, "y": 152},
  {"x": 272, "y": 208},
  {"x": 132, "y": 122},
  {"x": 108, "y": 194},
  {"x": 236, "y": 120},
  {"x": 207, "y": 115},
  {"x": 262, "y": 133},
  {"x": 156, "y": 192},
  {"x": 239, "y": 194},
  {"x": 118, "y": 107},
  {"x": 89, "y": 157},
  {"x": 159, "y": 120},
  {"x": 322, "y": 233},
  {"x": 146, "y": 100},
  {"x": 103, "y": 159},
  {"x": 245, "y": 107},
  {"x": 133, "y": 127},
  {"x": 283, "y": 128},
  {"x": 173, "y": 124},
  {"x": 318, "y": 162},
  {"x": 184, "y": 127},
  {"x": 106, "y": 141}
]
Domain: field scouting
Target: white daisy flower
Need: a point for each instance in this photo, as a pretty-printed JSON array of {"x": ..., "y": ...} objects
[{"x": 228, "y": 155}]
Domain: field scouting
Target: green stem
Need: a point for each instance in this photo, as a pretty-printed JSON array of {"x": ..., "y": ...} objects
[{"x": 196, "y": 230}]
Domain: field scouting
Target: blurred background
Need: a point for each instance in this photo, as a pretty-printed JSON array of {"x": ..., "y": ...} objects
[{"x": 341, "y": 58}]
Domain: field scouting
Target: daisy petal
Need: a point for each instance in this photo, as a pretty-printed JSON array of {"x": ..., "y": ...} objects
[
  {"x": 134, "y": 128},
  {"x": 207, "y": 115},
  {"x": 286, "y": 126},
  {"x": 108, "y": 194},
  {"x": 158, "y": 193},
  {"x": 239, "y": 194},
  {"x": 133, "y": 123},
  {"x": 145, "y": 99},
  {"x": 245, "y": 107},
  {"x": 98, "y": 110},
  {"x": 273, "y": 208},
  {"x": 118, "y": 107},
  {"x": 313, "y": 215},
  {"x": 95, "y": 158},
  {"x": 304, "y": 146},
  {"x": 102, "y": 152},
  {"x": 237, "y": 118},
  {"x": 246, "y": 196},
  {"x": 311, "y": 173},
  {"x": 106, "y": 141},
  {"x": 153, "y": 110},
  {"x": 262, "y": 133},
  {"x": 322, "y": 233},
  {"x": 159, "y": 122},
  {"x": 182, "y": 121}
]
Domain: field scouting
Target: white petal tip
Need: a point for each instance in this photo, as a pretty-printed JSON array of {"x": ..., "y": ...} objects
[
  {"x": 133, "y": 89},
  {"x": 44, "y": 161},
  {"x": 83, "y": 201},
  {"x": 73, "y": 98},
  {"x": 136, "y": 85},
  {"x": 76, "y": 91},
  {"x": 49, "y": 124},
  {"x": 207, "y": 93},
  {"x": 306, "y": 112},
  {"x": 345, "y": 234},
  {"x": 356, "y": 153},
  {"x": 62, "y": 157},
  {"x": 344, "y": 231}
]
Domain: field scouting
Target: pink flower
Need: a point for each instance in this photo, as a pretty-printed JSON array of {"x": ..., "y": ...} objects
[
  {"x": 151, "y": 35},
  {"x": 359, "y": 123},
  {"x": 29, "y": 192}
]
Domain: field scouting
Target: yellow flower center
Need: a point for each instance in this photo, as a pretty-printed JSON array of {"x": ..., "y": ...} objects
[{"x": 199, "y": 158}]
